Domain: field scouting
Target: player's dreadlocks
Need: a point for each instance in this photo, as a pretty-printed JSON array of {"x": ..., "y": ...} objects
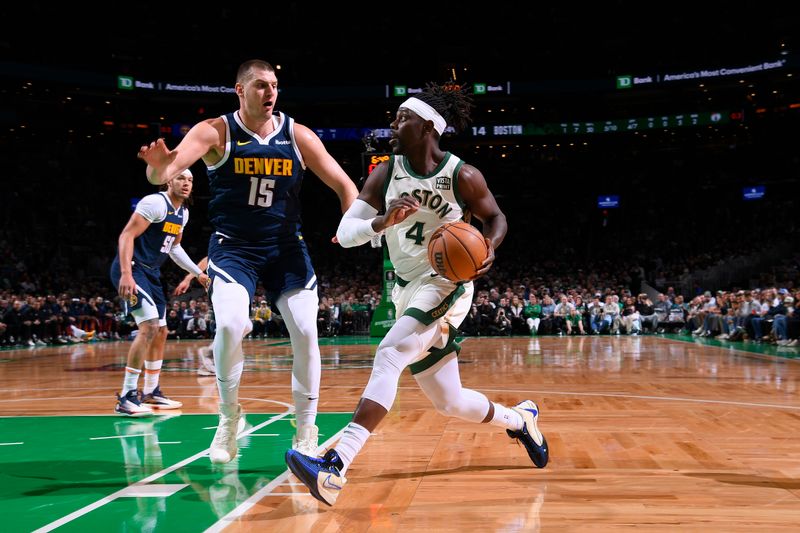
[{"x": 449, "y": 100}]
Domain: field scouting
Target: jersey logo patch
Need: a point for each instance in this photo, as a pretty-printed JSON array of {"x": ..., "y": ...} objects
[
  {"x": 133, "y": 300},
  {"x": 443, "y": 183},
  {"x": 283, "y": 142},
  {"x": 240, "y": 143}
]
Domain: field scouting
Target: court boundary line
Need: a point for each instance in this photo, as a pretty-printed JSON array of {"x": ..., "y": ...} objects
[{"x": 161, "y": 473}]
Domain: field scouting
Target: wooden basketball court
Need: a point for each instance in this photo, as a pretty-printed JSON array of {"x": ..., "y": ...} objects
[{"x": 649, "y": 433}]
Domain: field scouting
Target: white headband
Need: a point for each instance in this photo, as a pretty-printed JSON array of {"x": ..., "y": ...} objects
[{"x": 426, "y": 112}]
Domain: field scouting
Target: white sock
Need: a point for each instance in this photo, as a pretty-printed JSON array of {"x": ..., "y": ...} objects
[
  {"x": 131, "y": 380},
  {"x": 505, "y": 417},
  {"x": 152, "y": 369},
  {"x": 305, "y": 409},
  {"x": 229, "y": 385},
  {"x": 353, "y": 439}
]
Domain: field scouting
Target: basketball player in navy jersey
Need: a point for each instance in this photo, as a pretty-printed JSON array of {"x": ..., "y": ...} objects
[
  {"x": 255, "y": 159},
  {"x": 418, "y": 190},
  {"x": 153, "y": 232}
]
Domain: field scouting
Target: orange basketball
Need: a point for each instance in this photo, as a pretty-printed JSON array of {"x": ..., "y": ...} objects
[{"x": 456, "y": 251}]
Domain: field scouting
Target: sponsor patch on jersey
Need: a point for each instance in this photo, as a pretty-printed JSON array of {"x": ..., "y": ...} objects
[
  {"x": 283, "y": 142},
  {"x": 443, "y": 183}
]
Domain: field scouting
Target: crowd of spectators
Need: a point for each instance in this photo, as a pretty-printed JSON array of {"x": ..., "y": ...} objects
[{"x": 566, "y": 266}]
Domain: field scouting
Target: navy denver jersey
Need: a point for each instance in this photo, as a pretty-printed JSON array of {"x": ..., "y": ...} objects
[
  {"x": 151, "y": 248},
  {"x": 255, "y": 186}
]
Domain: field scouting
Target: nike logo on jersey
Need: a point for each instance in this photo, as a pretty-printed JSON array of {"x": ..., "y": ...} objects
[
  {"x": 400, "y": 177},
  {"x": 169, "y": 212},
  {"x": 240, "y": 143}
]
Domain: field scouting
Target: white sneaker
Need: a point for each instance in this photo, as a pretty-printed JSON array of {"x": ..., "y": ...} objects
[
  {"x": 305, "y": 440},
  {"x": 224, "y": 447}
]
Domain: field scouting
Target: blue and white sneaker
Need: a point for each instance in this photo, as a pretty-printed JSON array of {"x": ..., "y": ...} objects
[
  {"x": 529, "y": 435},
  {"x": 320, "y": 475},
  {"x": 130, "y": 405},
  {"x": 159, "y": 400}
]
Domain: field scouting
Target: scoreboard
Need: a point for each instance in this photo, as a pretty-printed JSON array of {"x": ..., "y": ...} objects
[
  {"x": 606, "y": 126},
  {"x": 654, "y": 122}
]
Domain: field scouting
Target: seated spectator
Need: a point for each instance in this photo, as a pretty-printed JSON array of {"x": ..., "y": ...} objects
[
  {"x": 196, "y": 328},
  {"x": 611, "y": 318},
  {"x": 173, "y": 324},
  {"x": 261, "y": 319},
  {"x": 533, "y": 314},
  {"x": 630, "y": 317},
  {"x": 647, "y": 312}
]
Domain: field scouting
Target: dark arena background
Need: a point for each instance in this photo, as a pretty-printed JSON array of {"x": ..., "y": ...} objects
[{"x": 646, "y": 157}]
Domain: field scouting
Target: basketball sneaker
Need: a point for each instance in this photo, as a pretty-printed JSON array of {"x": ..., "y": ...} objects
[
  {"x": 224, "y": 446},
  {"x": 159, "y": 400},
  {"x": 321, "y": 475},
  {"x": 305, "y": 440},
  {"x": 130, "y": 405},
  {"x": 529, "y": 435}
]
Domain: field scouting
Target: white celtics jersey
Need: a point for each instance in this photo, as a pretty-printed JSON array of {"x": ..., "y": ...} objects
[{"x": 439, "y": 203}]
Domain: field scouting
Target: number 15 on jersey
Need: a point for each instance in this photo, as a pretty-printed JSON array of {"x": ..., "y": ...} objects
[{"x": 261, "y": 191}]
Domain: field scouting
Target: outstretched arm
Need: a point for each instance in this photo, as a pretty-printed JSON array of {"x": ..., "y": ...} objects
[
  {"x": 204, "y": 140},
  {"x": 481, "y": 203},
  {"x": 324, "y": 165}
]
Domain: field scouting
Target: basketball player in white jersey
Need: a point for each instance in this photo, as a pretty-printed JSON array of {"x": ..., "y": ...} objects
[{"x": 420, "y": 189}]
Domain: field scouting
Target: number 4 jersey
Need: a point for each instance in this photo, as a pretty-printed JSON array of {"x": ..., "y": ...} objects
[
  {"x": 151, "y": 248},
  {"x": 439, "y": 203},
  {"x": 255, "y": 186}
]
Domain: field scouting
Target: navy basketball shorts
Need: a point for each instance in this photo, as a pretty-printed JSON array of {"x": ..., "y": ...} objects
[
  {"x": 279, "y": 266},
  {"x": 149, "y": 301}
]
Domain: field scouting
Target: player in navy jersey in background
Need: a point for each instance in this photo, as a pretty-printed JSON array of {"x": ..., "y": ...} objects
[
  {"x": 153, "y": 232},
  {"x": 255, "y": 159}
]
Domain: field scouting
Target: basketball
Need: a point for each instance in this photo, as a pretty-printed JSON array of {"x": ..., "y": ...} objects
[{"x": 457, "y": 250}]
